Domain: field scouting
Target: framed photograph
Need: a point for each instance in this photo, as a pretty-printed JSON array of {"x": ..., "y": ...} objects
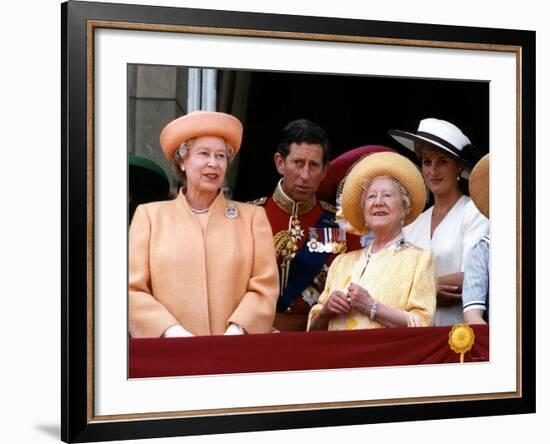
[{"x": 127, "y": 71}]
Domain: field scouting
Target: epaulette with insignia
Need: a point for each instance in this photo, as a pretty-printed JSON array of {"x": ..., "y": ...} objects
[
  {"x": 260, "y": 202},
  {"x": 327, "y": 207}
]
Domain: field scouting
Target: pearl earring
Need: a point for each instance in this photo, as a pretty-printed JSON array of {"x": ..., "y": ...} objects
[{"x": 182, "y": 168}]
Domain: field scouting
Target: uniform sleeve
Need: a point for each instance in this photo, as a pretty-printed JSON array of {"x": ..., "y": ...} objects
[
  {"x": 476, "y": 277},
  {"x": 421, "y": 304},
  {"x": 333, "y": 271},
  {"x": 256, "y": 311},
  {"x": 476, "y": 225},
  {"x": 147, "y": 316}
]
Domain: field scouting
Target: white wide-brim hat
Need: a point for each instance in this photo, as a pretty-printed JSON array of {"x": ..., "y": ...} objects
[{"x": 440, "y": 135}]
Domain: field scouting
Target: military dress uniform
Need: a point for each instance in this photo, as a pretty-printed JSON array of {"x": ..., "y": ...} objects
[{"x": 307, "y": 239}]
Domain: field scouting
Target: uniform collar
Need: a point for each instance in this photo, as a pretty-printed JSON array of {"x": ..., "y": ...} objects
[{"x": 285, "y": 203}]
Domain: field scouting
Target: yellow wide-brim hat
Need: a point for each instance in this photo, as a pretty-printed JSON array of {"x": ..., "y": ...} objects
[
  {"x": 198, "y": 124},
  {"x": 479, "y": 185},
  {"x": 382, "y": 164}
]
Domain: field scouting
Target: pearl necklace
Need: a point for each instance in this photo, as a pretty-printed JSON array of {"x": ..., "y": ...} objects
[
  {"x": 206, "y": 210},
  {"x": 195, "y": 211}
]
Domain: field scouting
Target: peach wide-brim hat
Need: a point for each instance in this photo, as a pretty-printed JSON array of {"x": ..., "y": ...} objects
[
  {"x": 198, "y": 124},
  {"x": 382, "y": 164},
  {"x": 479, "y": 185}
]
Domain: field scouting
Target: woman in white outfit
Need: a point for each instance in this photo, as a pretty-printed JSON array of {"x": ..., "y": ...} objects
[{"x": 453, "y": 224}]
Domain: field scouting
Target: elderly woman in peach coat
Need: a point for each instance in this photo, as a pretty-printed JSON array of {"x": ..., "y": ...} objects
[{"x": 201, "y": 264}]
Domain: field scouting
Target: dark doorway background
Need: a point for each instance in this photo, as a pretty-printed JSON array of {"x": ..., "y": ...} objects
[{"x": 353, "y": 110}]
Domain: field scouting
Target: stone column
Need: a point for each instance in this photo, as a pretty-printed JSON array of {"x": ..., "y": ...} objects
[{"x": 156, "y": 95}]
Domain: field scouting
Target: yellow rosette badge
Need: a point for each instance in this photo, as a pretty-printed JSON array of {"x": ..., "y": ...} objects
[{"x": 461, "y": 339}]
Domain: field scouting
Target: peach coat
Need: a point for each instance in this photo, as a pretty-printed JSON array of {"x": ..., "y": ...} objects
[{"x": 177, "y": 275}]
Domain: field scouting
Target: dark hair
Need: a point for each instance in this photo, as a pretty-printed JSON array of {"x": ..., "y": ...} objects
[
  {"x": 303, "y": 131},
  {"x": 469, "y": 154}
]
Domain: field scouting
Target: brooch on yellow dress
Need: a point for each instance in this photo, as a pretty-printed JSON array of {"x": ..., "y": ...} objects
[{"x": 402, "y": 244}]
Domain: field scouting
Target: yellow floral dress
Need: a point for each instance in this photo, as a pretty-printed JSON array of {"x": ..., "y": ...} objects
[{"x": 402, "y": 276}]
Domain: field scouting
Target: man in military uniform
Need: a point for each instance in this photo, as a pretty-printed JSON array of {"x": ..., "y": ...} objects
[{"x": 306, "y": 236}]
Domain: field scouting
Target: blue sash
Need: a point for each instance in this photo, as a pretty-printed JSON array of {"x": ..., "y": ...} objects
[{"x": 303, "y": 269}]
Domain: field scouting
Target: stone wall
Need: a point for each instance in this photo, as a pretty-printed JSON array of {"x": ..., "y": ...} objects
[{"x": 156, "y": 95}]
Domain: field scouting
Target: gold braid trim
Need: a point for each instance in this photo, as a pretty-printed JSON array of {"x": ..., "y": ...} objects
[
  {"x": 280, "y": 240},
  {"x": 283, "y": 243},
  {"x": 327, "y": 207}
]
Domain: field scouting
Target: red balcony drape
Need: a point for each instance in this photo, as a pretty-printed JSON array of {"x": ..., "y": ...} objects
[{"x": 209, "y": 355}]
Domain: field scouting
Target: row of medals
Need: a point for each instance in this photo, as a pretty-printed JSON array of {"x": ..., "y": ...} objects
[{"x": 334, "y": 240}]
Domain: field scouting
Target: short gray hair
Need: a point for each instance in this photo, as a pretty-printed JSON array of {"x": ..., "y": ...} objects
[
  {"x": 183, "y": 151},
  {"x": 403, "y": 193}
]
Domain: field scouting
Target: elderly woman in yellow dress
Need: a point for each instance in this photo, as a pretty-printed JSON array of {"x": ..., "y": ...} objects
[
  {"x": 391, "y": 283},
  {"x": 201, "y": 264}
]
